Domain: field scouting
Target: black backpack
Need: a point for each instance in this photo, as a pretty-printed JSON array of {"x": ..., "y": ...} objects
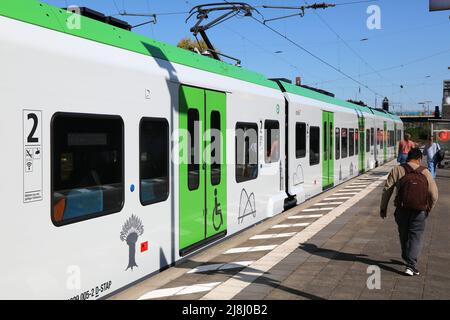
[
  {"x": 440, "y": 155},
  {"x": 413, "y": 190}
]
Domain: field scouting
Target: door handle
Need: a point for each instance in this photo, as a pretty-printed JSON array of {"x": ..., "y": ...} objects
[{"x": 204, "y": 166}]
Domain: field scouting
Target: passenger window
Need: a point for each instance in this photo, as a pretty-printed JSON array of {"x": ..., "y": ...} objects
[
  {"x": 193, "y": 150},
  {"x": 372, "y": 137},
  {"x": 379, "y": 137},
  {"x": 216, "y": 148},
  {"x": 272, "y": 138},
  {"x": 344, "y": 144},
  {"x": 356, "y": 141},
  {"x": 338, "y": 143},
  {"x": 351, "y": 142},
  {"x": 314, "y": 145},
  {"x": 87, "y": 166},
  {"x": 367, "y": 140},
  {"x": 154, "y": 160},
  {"x": 246, "y": 151},
  {"x": 300, "y": 140}
]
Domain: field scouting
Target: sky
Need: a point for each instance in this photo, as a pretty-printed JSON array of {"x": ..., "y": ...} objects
[{"x": 406, "y": 59}]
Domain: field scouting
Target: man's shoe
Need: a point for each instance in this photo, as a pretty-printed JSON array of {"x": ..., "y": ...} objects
[{"x": 411, "y": 271}]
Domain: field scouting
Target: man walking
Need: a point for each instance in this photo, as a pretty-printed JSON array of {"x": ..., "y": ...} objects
[
  {"x": 404, "y": 147},
  {"x": 431, "y": 150},
  {"x": 417, "y": 194}
]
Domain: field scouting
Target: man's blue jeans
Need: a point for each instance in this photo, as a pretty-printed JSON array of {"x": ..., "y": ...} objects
[
  {"x": 432, "y": 167},
  {"x": 411, "y": 225},
  {"x": 402, "y": 157}
]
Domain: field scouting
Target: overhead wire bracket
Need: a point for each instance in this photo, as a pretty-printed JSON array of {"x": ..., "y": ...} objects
[
  {"x": 302, "y": 9},
  {"x": 203, "y": 11}
]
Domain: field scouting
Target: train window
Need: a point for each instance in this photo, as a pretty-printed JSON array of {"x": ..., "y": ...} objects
[
  {"x": 216, "y": 150},
  {"x": 154, "y": 160},
  {"x": 368, "y": 140},
  {"x": 372, "y": 137},
  {"x": 272, "y": 138},
  {"x": 351, "y": 142},
  {"x": 246, "y": 141},
  {"x": 87, "y": 166},
  {"x": 338, "y": 143},
  {"x": 193, "y": 150},
  {"x": 314, "y": 145},
  {"x": 378, "y": 136},
  {"x": 344, "y": 143},
  {"x": 399, "y": 135},
  {"x": 356, "y": 141},
  {"x": 300, "y": 140}
]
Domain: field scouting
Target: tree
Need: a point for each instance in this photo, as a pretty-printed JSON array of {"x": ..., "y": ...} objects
[
  {"x": 131, "y": 230},
  {"x": 190, "y": 44}
]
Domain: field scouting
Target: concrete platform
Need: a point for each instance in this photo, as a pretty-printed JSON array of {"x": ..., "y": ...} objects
[{"x": 321, "y": 249}]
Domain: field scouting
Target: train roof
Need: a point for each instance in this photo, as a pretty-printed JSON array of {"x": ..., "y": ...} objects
[
  {"x": 290, "y": 88},
  {"x": 54, "y": 18}
]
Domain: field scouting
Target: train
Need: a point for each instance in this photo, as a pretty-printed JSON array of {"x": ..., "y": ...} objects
[{"x": 123, "y": 155}]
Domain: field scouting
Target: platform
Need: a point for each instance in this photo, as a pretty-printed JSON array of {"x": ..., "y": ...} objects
[{"x": 321, "y": 249}]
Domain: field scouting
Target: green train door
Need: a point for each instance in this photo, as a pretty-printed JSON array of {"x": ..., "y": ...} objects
[
  {"x": 328, "y": 148},
  {"x": 385, "y": 141},
  {"x": 203, "y": 183},
  {"x": 362, "y": 142}
]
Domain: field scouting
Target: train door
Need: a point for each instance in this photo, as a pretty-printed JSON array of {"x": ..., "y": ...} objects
[
  {"x": 328, "y": 147},
  {"x": 385, "y": 134},
  {"x": 362, "y": 141},
  {"x": 203, "y": 193}
]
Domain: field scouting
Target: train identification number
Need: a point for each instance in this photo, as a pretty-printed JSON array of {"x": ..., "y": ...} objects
[{"x": 93, "y": 292}]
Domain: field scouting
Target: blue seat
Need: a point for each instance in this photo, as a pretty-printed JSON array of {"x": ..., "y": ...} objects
[{"x": 81, "y": 202}]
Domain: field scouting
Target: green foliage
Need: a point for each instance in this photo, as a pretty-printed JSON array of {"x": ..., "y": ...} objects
[
  {"x": 418, "y": 133},
  {"x": 190, "y": 44}
]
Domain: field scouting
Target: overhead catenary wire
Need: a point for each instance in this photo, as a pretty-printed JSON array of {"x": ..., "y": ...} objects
[
  {"x": 317, "y": 57},
  {"x": 398, "y": 66},
  {"x": 313, "y": 55},
  {"x": 350, "y": 48}
]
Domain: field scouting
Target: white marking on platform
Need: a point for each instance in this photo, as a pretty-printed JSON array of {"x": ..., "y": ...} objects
[
  {"x": 317, "y": 209},
  {"x": 250, "y": 249},
  {"x": 278, "y": 226},
  {"x": 328, "y": 203},
  {"x": 160, "y": 293},
  {"x": 272, "y": 236},
  {"x": 306, "y": 216},
  {"x": 338, "y": 198},
  {"x": 230, "y": 288},
  {"x": 221, "y": 266},
  {"x": 352, "y": 189},
  {"x": 345, "y": 193}
]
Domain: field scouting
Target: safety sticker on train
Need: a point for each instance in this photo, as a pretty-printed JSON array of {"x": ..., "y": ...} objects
[{"x": 32, "y": 155}]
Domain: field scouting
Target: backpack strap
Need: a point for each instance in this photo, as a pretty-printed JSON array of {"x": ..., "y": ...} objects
[
  {"x": 420, "y": 169},
  {"x": 407, "y": 168}
]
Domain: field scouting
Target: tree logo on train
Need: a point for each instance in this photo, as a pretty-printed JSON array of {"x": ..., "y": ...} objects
[{"x": 131, "y": 231}]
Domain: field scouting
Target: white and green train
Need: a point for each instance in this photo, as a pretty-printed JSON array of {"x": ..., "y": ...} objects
[{"x": 95, "y": 191}]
